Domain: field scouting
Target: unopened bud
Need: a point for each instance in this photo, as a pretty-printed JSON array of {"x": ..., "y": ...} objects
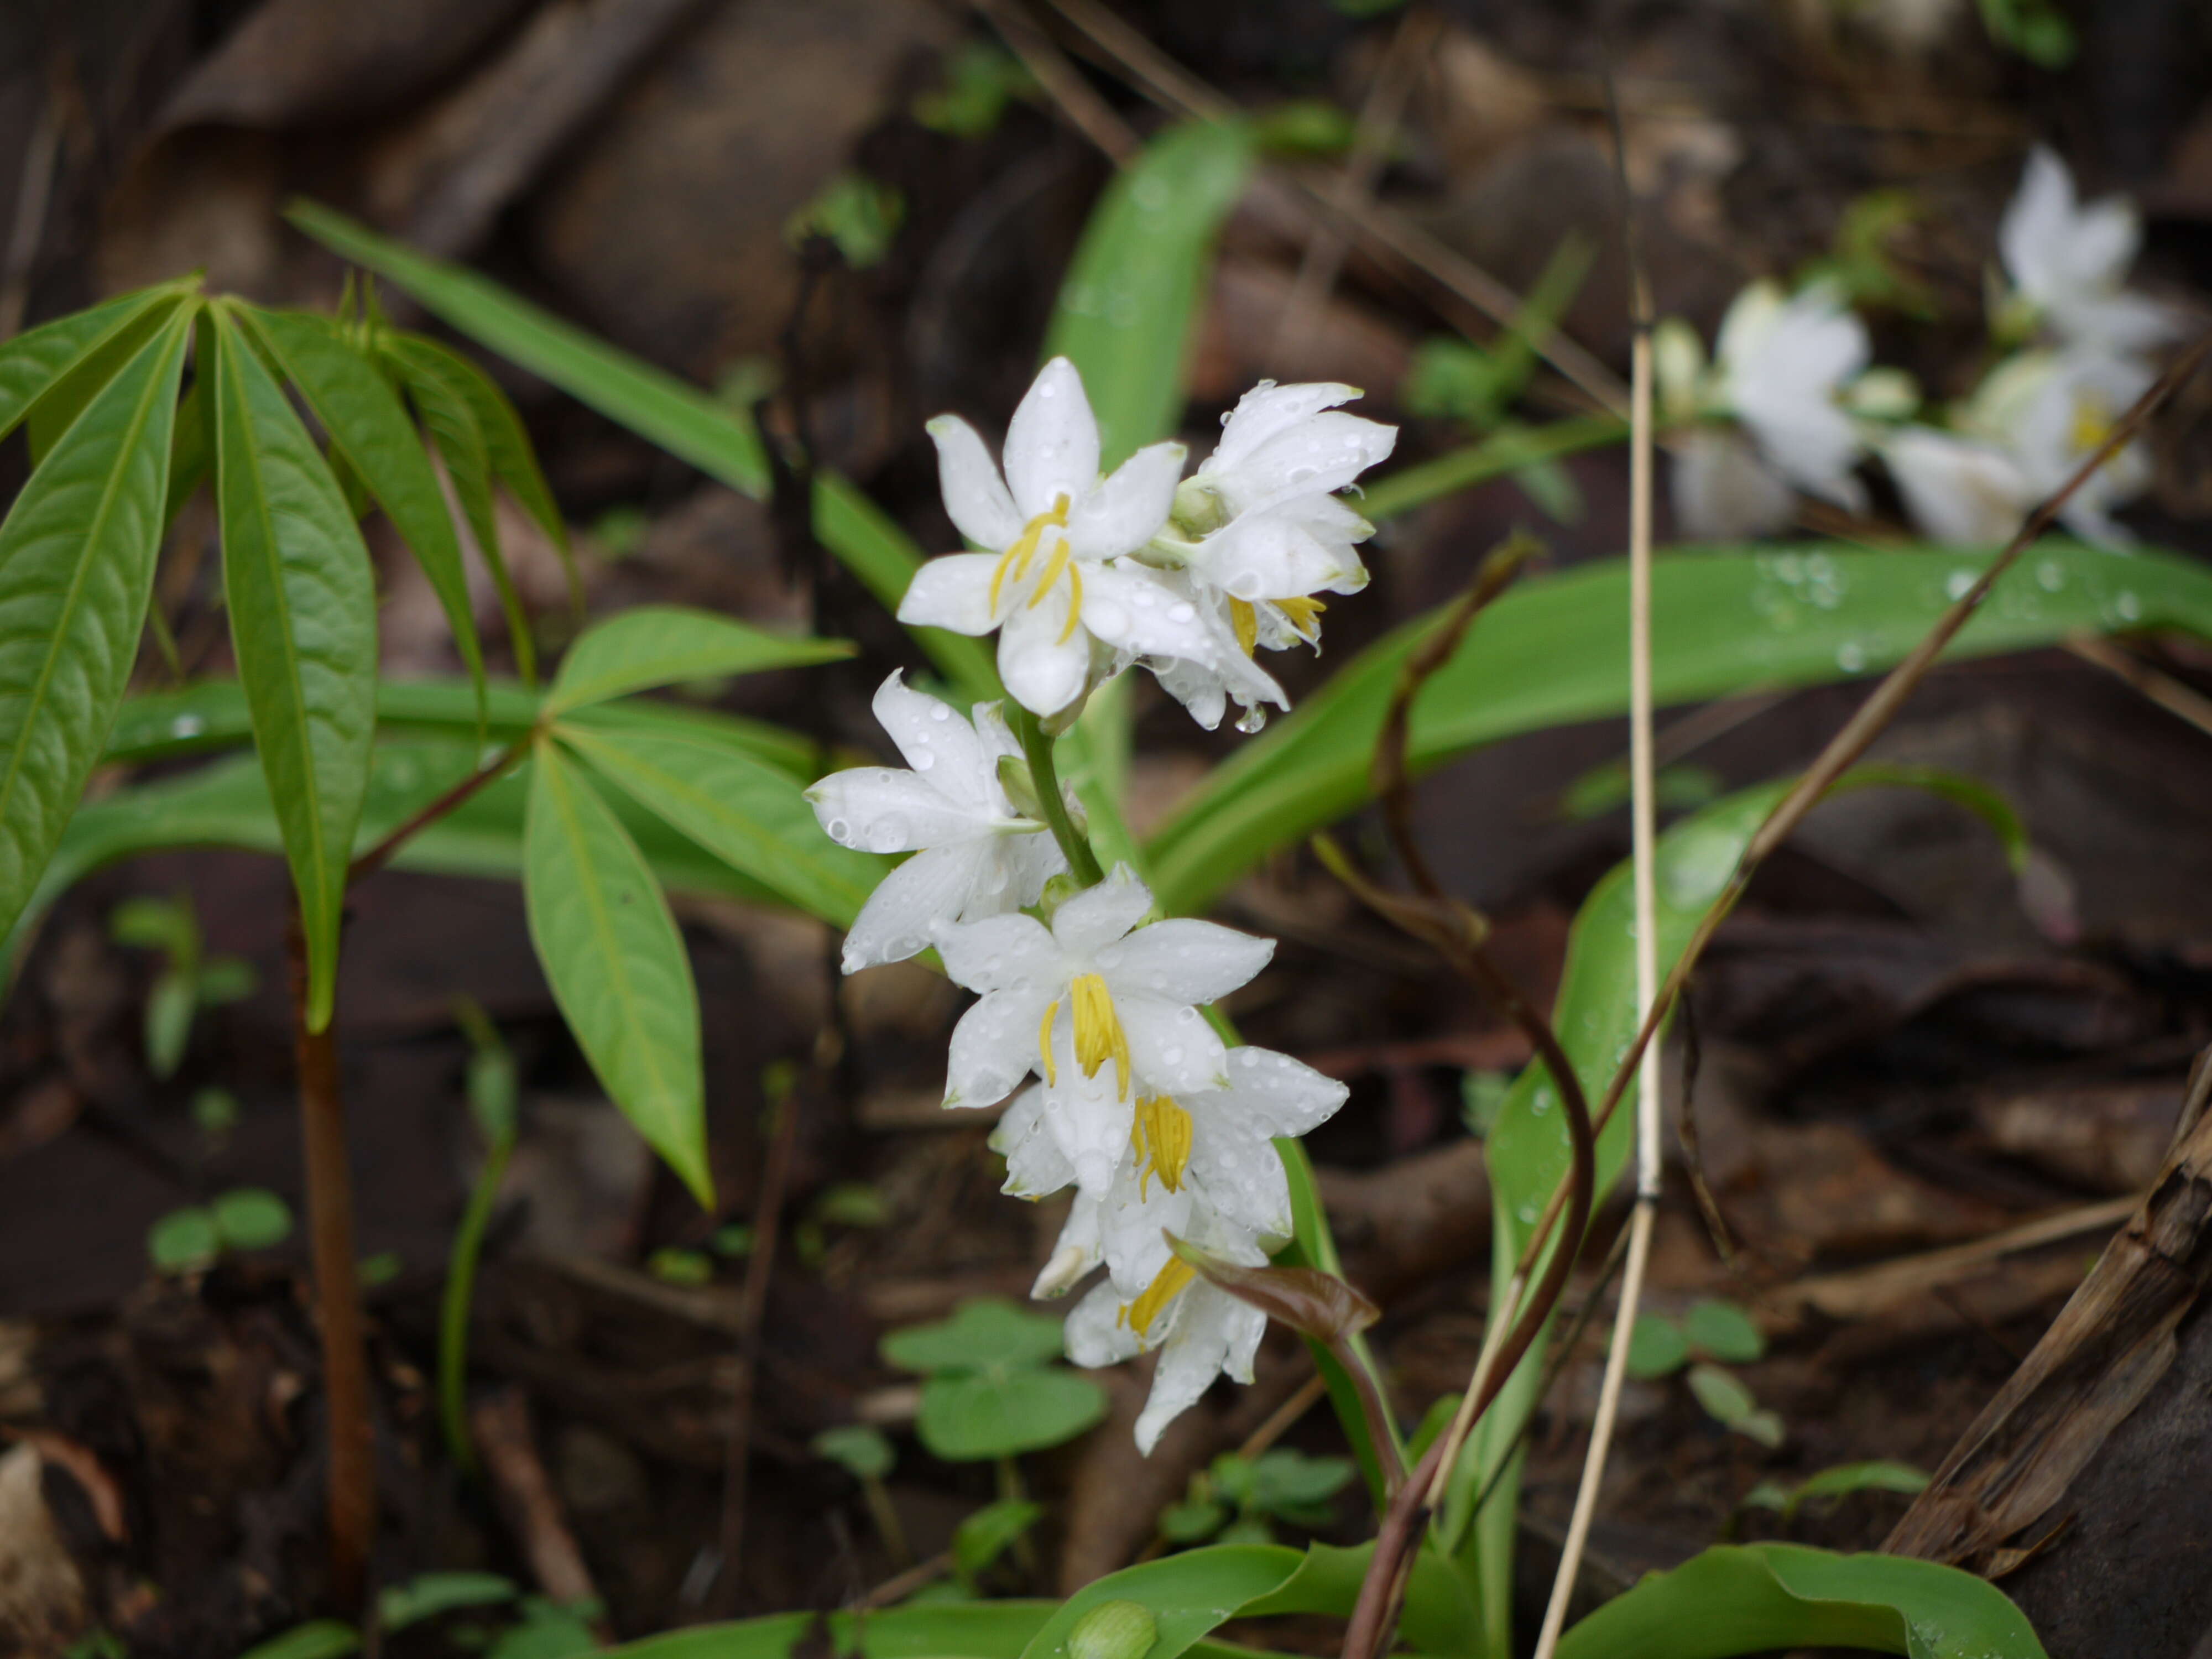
[
  {"x": 1068, "y": 1264},
  {"x": 1114, "y": 1630},
  {"x": 1021, "y": 789}
]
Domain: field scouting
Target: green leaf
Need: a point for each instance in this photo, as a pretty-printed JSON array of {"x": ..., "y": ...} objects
[
  {"x": 183, "y": 1240},
  {"x": 319, "y": 1639},
  {"x": 751, "y": 816},
  {"x": 1877, "y": 1474},
  {"x": 443, "y": 400},
  {"x": 507, "y": 449},
  {"x": 859, "y": 1448},
  {"x": 655, "y": 645},
  {"x": 1130, "y": 296},
  {"x": 683, "y": 419},
  {"x": 970, "y": 1630},
  {"x": 252, "y": 1219},
  {"x": 76, "y": 572},
  {"x": 1722, "y": 1393},
  {"x": 303, "y": 624},
  {"x": 986, "y": 1536},
  {"x": 1548, "y": 653},
  {"x": 433, "y": 1593},
  {"x": 170, "y": 1003},
  {"x": 1656, "y": 1347},
  {"x": 38, "y": 359},
  {"x": 616, "y": 963},
  {"x": 1190, "y": 1595},
  {"x": 984, "y": 1330},
  {"x": 1721, "y": 1330},
  {"x": 370, "y": 428},
  {"x": 968, "y": 1416},
  {"x": 1765, "y": 1598},
  {"x": 1285, "y": 1478}
]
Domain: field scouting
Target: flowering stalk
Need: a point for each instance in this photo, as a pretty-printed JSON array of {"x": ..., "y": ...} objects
[{"x": 1037, "y": 750}]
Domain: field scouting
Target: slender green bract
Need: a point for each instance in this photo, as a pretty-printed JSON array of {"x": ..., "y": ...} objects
[
  {"x": 76, "y": 571},
  {"x": 656, "y": 645},
  {"x": 303, "y": 624},
  {"x": 370, "y": 428},
  {"x": 1723, "y": 621},
  {"x": 616, "y": 961},
  {"x": 750, "y": 817}
]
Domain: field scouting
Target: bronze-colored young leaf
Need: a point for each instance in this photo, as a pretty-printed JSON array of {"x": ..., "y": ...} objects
[{"x": 1311, "y": 1303}]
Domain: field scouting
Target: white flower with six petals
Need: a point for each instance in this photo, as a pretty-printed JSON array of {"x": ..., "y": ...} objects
[{"x": 2069, "y": 263}]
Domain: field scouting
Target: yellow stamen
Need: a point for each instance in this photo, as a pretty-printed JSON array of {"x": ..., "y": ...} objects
[
  {"x": 1044, "y": 1042},
  {"x": 1053, "y": 565},
  {"x": 1159, "y": 1135},
  {"x": 1304, "y": 614},
  {"x": 1246, "y": 620},
  {"x": 1098, "y": 1034},
  {"x": 1074, "y": 602},
  {"x": 1163, "y": 1290},
  {"x": 1017, "y": 557},
  {"x": 2093, "y": 421}
]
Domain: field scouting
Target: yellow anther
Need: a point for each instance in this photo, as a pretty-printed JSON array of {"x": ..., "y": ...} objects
[
  {"x": 1245, "y": 618},
  {"x": 1053, "y": 566},
  {"x": 1304, "y": 614},
  {"x": 1075, "y": 602},
  {"x": 1164, "y": 1289},
  {"x": 1044, "y": 1042},
  {"x": 2093, "y": 421},
  {"x": 1017, "y": 557},
  {"x": 1159, "y": 1135},
  {"x": 1098, "y": 1034}
]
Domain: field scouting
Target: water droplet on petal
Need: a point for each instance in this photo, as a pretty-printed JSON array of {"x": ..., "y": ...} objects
[
  {"x": 1179, "y": 612},
  {"x": 923, "y": 760},
  {"x": 937, "y": 711},
  {"x": 840, "y": 831}
]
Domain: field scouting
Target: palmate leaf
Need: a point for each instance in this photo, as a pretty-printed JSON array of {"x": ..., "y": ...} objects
[
  {"x": 656, "y": 645},
  {"x": 76, "y": 572},
  {"x": 37, "y": 361},
  {"x": 753, "y": 818},
  {"x": 451, "y": 417},
  {"x": 303, "y": 625},
  {"x": 370, "y": 429},
  {"x": 612, "y": 954}
]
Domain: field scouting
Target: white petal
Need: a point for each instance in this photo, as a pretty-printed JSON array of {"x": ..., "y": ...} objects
[
  {"x": 2115, "y": 322},
  {"x": 1052, "y": 442},
  {"x": 1274, "y": 555},
  {"x": 1177, "y": 1052},
  {"x": 2037, "y": 224},
  {"x": 883, "y": 809},
  {"x": 1215, "y": 1333},
  {"x": 1185, "y": 960},
  {"x": 935, "y": 739},
  {"x": 1136, "y": 1215},
  {"x": 994, "y": 734},
  {"x": 1750, "y": 316},
  {"x": 1243, "y": 1181},
  {"x": 1074, "y": 1253},
  {"x": 1959, "y": 492},
  {"x": 1000, "y": 954},
  {"x": 1044, "y": 664},
  {"x": 1011, "y": 868},
  {"x": 898, "y": 921},
  {"x": 1134, "y": 612},
  {"x": 1130, "y": 507},
  {"x": 1098, "y": 1334},
  {"x": 1266, "y": 409},
  {"x": 976, "y": 496},
  {"x": 952, "y": 592},
  {"x": 1722, "y": 491},
  {"x": 994, "y": 1047},
  {"x": 1097, "y": 916},
  {"x": 1314, "y": 457},
  {"x": 1276, "y": 1095},
  {"x": 1198, "y": 687},
  {"x": 1089, "y": 1117}
]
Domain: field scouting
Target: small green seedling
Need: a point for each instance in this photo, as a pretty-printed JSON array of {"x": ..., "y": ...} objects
[
  {"x": 984, "y": 1536},
  {"x": 1712, "y": 1331},
  {"x": 864, "y": 1453},
  {"x": 244, "y": 1219},
  {"x": 1240, "y": 1500},
  {"x": 189, "y": 981},
  {"x": 1880, "y": 1474},
  {"x": 546, "y": 1630},
  {"x": 215, "y": 1112},
  {"x": 852, "y": 1204},
  {"x": 980, "y": 79},
  {"x": 674, "y": 1265},
  {"x": 861, "y": 216},
  {"x": 992, "y": 1390},
  {"x": 1733, "y": 1405}
]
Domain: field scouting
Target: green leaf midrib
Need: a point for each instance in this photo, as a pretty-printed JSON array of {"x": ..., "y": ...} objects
[
  {"x": 110, "y": 491},
  {"x": 280, "y": 599},
  {"x": 558, "y": 785}
]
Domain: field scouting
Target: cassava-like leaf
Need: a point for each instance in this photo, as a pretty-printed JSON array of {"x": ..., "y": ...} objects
[
  {"x": 370, "y": 429},
  {"x": 76, "y": 570},
  {"x": 655, "y": 645},
  {"x": 446, "y": 411},
  {"x": 303, "y": 625},
  {"x": 35, "y": 362},
  {"x": 616, "y": 963},
  {"x": 744, "y": 812}
]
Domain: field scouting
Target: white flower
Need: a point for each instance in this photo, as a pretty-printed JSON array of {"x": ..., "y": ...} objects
[
  {"x": 1963, "y": 492},
  {"x": 975, "y": 855},
  {"x": 1723, "y": 491},
  {"x": 1201, "y": 1332},
  {"x": 2069, "y": 261},
  {"x": 1051, "y": 526},
  {"x": 1213, "y": 1149},
  {"x": 1271, "y": 535},
  {"x": 1092, "y": 1006}
]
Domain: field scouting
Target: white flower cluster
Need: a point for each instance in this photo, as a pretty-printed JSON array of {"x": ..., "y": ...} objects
[
  {"x": 1081, "y": 575},
  {"x": 1790, "y": 402}
]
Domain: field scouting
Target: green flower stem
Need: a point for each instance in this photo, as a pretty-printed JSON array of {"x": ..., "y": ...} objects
[
  {"x": 460, "y": 1295},
  {"x": 1037, "y": 748}
]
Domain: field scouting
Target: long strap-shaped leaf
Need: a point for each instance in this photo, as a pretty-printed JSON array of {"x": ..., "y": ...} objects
[
  {"x": 33, "y": 361},
  {"x": 616, "y": 961},
  {"x": 747, "y": 814},
  {"x": 303, "y": 625},
  {"x": 76, "y": 571},
  {"x": 365, "y": 419}
]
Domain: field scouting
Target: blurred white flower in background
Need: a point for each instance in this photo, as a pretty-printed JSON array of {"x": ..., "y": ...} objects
[{"x": 2068, "y": 262}]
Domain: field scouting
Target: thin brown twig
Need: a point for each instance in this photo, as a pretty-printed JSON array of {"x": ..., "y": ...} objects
[
  {"x": 2182, "y": 701},
  {"x": 1086, "y": 112}
]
